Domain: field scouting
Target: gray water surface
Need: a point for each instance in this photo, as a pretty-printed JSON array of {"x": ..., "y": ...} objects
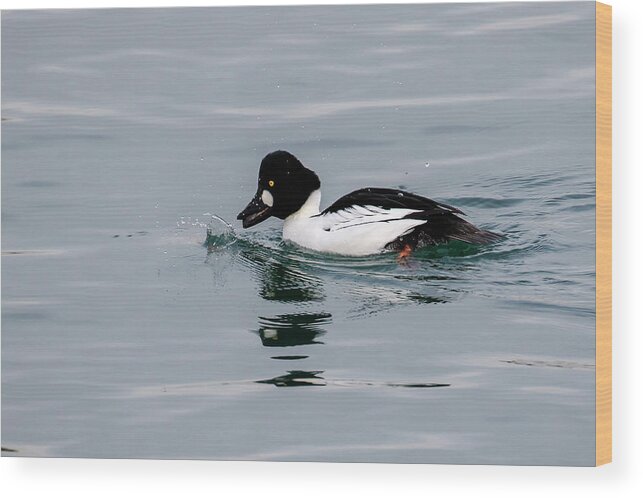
[{"x": 125, "y": 131}]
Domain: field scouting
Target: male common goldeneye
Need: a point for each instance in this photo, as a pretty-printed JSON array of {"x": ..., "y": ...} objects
[{"x": 366, "y": 221}]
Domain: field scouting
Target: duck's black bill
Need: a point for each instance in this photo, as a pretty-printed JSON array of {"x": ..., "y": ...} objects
[{"x": 255, "y": 212}]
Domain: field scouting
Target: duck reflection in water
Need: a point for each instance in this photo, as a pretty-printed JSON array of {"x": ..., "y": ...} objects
[
  {"x": 285, "y": 276},
  {"x": 296, "y": 378},
  {"x": 299, "y": 378},
  {"x": 294, "y": 329},
  {"x": 284, "y": 281}
]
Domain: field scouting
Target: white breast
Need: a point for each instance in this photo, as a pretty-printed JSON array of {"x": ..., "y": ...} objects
[{"x": 355, "y": 231}]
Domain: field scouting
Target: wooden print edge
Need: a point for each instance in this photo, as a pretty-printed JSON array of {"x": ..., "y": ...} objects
[{"x": 603, "y": 233}]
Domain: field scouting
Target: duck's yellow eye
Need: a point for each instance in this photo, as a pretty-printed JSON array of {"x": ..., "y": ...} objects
[{"x": 271, "y": 183}]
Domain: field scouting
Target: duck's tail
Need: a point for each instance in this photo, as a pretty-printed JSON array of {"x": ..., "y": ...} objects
[{"x": 441, "y": 229}]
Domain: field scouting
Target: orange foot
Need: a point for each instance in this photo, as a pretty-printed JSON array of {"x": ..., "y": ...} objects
[{"x": 403, "y": 257}]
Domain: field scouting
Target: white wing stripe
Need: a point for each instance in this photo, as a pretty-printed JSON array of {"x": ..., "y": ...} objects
[{"x": 361, "y": 215}]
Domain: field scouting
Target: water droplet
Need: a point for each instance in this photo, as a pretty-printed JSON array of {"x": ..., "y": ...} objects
[
  {"x": 400, "y": 194},
  {"x": 427, "y": 164}
]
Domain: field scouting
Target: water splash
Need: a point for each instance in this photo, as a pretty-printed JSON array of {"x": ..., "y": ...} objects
[{"x": 219, "y": 233}]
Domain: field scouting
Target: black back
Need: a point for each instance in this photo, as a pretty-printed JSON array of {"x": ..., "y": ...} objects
[{"x": 389, "y": 198}]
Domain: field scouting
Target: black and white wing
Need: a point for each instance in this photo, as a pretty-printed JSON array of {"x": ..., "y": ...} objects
[
  {"x": 411, "y": 219},
  {"x": 356, "y": 216}
]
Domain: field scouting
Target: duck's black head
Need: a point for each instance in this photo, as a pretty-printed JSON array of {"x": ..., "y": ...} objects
[{"x": 284, "y": 186}]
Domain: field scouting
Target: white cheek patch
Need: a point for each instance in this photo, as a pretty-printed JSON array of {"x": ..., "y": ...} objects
[{"x": 267, "y": 199}]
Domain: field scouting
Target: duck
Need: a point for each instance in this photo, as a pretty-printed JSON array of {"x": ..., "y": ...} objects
[{"x": 367, "y": 221}]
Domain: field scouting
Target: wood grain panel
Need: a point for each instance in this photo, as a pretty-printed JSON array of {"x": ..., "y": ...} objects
[{"x": 603, "y": 233}]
